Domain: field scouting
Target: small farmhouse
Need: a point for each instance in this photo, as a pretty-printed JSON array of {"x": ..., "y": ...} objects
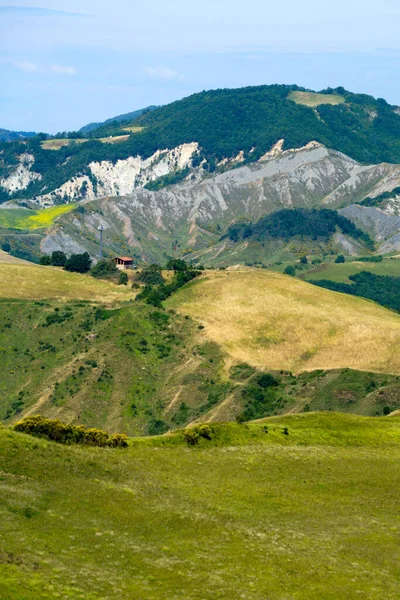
[{"x": 123, "y": 262}]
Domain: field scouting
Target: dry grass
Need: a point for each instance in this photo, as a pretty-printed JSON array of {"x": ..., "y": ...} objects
[
  {"x": 12, "y": 260},
  {"x": 35, "y": 282},
  {"x": 59, "y": 143},
  {"x": 274, "y": 321},
  {"x": 314, "y": 99}
]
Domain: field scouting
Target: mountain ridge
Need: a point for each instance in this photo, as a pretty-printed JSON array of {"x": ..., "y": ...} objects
[{"x": 234, "y": 125}]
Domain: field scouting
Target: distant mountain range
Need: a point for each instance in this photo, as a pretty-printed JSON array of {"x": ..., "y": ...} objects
[{"x": 11, "y": 136}]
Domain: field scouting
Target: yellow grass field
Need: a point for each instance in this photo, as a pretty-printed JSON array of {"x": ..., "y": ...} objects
[
  {"x": 12, "y": 260},
  {"x": 273, "y": 321},
  {"x": 314, "y": 99},
  {"x": 35, "y": 282}
]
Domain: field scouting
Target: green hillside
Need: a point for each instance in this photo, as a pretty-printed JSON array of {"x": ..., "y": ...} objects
[
  {"x": 253, "y": 513},
  {"x": 225, "y": 122}
]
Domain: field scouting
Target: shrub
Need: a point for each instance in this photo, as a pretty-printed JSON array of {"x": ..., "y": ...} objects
[
  {"x": 340, "y": 258},
  {"x": 304, "y": 260},
  {"x": 290, "y": 270},
  {"x": 191, "y": 437},
  {"x": 387, "y": 410},
  {"x": 267, "y": 380},
  {"x": 157, "y": 427},
  {"x": 123, "y": 278},
  {"x": 63, "y": 433},
  {"x": 6, "y": 247},
  {"x": 103, "y": 269},
  {"x": 151, "y": 275}
]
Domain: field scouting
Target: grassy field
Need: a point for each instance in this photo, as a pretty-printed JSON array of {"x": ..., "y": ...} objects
[
  {"x": 313, "y": 99},
  {"x": 22, "y": 218},
  {"x": 308, "y": 515},
  {"x": 272, "y": 321},
  {"x": 35, "y": 282},
  {"x": 12, "y": 260},
  {"x": 340, "y": 272},
  {"x": 56, "y": 144},
  {"x": 133, "y": 129}
]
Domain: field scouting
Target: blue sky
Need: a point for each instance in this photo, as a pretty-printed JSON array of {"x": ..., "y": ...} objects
[{"x": 66, "y": 63}]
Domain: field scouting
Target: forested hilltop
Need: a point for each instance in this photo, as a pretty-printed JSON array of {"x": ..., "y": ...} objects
[{"x": 223, "y": 123}]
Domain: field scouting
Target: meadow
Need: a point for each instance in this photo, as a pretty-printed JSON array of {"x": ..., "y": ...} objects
[
  {"x": 272, "y": 321},
  {"x": 22, "y": 218},
  {"x": 314, "y": 99},
  {"x": 309, "y": 514},
  {"x": 36, "y": 282},
  {"x": 340, "y": 272},
  {"x": 56, "y": 144}
]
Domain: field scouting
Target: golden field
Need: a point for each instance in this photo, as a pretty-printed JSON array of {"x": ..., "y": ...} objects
[
  {"x": 273, "y": 321},
  {"x": 34, "y": 282}
]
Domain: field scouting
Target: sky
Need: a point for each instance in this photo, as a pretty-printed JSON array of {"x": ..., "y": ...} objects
[{"x": 65, "y": 63}]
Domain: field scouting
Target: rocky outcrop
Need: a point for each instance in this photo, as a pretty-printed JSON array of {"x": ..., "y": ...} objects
[
  {"x": 122, "y": 177},
  {"x": 145, "y": 223},
  {"x": 21, "y": 176}
]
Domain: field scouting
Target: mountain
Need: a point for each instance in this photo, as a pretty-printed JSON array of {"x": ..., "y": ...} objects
[
  {"x": 221, "y": 127},
  {"x": 11, "y": 136},
  {"x": 194, "y": 214},
  {"x": 127, "y": 117}
]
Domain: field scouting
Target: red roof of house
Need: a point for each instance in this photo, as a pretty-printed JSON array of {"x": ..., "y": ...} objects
[{"x": 125, "y": 258}]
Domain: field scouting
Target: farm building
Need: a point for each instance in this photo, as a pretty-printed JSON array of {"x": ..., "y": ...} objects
[{"x": 123, "y": 262}]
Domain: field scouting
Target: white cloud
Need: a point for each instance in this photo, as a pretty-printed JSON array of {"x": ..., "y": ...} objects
[
  {"x": 63, "y": 70},
  {"x": 161, "y": 73},
  {"x": 25, "y": 66}
]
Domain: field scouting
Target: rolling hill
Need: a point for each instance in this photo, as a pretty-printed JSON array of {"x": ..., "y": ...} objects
[
  {"x": 241, "y": 515},
  {"x": 272, "y": 321},
  {"x": 83, "y": 350}
]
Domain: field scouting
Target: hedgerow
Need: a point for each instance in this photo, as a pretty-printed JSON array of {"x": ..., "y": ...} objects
[{"x": 63, "y": 433}]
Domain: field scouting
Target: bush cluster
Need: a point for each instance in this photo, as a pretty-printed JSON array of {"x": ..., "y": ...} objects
[
  {"x": 192, "y": 436},
  {"x": 155, "y": 295},
  {"x": 57, "y": 431}
]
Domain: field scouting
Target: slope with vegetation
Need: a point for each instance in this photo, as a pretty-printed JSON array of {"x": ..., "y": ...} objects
[{"x": 243, "y": 514}]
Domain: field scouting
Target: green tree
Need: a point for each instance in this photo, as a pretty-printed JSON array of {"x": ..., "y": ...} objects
[
  {"x": 340, "y": 258},
  {"x": 304, "y": 260},
  {"x": 6, "y": 247},
  {"x": 176, "y": 264},
  {"x": 58, "y": 258},
  {"x": 45, "y": 260},
  {"x": 78, "y": 263}
]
